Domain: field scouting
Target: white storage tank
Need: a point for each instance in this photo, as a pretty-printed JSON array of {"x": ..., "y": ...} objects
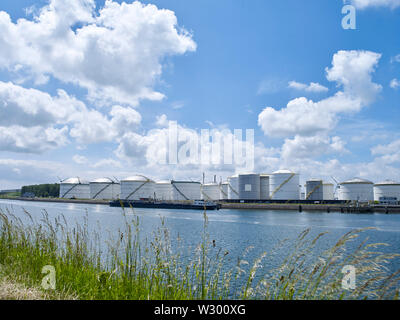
[
  {"x": 233, "y": 187},
  {"x": 137, "y": 187},
  {"x": 163, "y": 190},
  {"x": 210, "y": 191},
  {"x": 223, "y": 190},
  {"x": 104, "y": 189},
  {"x": 285, "y": 185},
  {"x": 186, "y": 190},
  {"x": 249, "y": 186},
  {"x": 356, "y": 189},
  {"x": 314, "y": 190},
  {"x": 264, "y": 187},
  {"x": 328, "y": 191},
  {"x": 387, "y": 189},
  {"x": 74, "y": 188}
]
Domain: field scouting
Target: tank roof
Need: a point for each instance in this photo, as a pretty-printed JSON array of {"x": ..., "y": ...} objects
[
  {"x": 136, "y": 178},
  {"x": 164, "y": 182},
  {"x": 357, "y": 181},
  {"x": 388, "y": 183},
  {"x": 102, "y": 180},
  {"x": 75, "y": 180}
]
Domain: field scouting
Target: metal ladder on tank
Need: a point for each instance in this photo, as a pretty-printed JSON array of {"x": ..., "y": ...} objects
[{"x": 281, "y": 185}]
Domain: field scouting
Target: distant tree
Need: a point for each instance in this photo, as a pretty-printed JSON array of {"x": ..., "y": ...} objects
[{"x": 42, "y": 190}]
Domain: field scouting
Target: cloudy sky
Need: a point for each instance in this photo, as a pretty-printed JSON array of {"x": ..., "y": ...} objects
[{"x": 88, "y": 88}]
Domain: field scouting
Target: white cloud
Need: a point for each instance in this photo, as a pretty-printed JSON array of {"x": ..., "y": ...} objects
[
  {"x": 116, "y": 54},
  {"x": 352, "y": 71},
  {"x": 394, "y": 84},
  {"x": 311, "y": 147},
  {"x": 162, "y": 120},
  {"x": 395, "y": 59},
  {"x": 312, "y": 87},
  {"x": 363, "y": 4},
  {"x": 79, "y": 159}
]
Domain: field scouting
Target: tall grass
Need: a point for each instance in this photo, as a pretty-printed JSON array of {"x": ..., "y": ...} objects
[{"x": 129, "y": 266}]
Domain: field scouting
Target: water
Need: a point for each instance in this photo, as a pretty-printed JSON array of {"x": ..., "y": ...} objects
[{"x": 232, "y": 230}]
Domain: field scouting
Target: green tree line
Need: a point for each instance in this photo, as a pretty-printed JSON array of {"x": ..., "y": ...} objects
[{"x": 43, "y": 190}]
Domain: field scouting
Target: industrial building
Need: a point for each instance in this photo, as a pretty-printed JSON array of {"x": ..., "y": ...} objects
[
  {"x": 104, "y": 189},
  {"x": 249, "y": 186},
  {"x": 233, "y": 187},
  {"x": 137, "y": 187},
  {"x": 74, "y": 188},
  {"x": 186, "y": 190},
  {"x": 163, "y": 190},
  {"x": 356, "y": 189},
  {"x": 264, "y": 187},
  {"x": 210, "y": 191},
  {"x": 284, "y": 185},
  {"x": 387, "y": 191}
]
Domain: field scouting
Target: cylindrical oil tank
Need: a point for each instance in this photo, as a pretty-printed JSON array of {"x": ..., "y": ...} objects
[
  {"x": 328, "y": 191},
  {"x": 264, "y": 187},
  {"x": 74, "y": 188},
  {"x": 249, "y": 186},
  {"x": 210, "y": 191},
  {"x": 387, "y": 189},
  {"x": 314, "y": 190},
  {"x": 163, "y": 190},
  {"x": 223, "y": 190},
  {"x": 285, "y": 185},
  {"x": 233, "y": 187},
  {"x": 356, "y": 189},
  {"x": 137, "y": 187},
  {"x": 186, "y": 190},
  {"x": 104, "y": 189}
]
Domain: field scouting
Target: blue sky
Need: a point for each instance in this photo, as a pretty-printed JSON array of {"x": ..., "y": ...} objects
[{"x": 234, "y": 60}]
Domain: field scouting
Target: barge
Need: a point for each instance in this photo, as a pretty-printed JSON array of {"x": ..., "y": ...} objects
[{"x": 195, "y": 205}]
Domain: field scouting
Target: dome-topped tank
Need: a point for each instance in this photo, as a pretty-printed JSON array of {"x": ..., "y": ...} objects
[
  {"x": 137, "y": 187},
  {"x": 285, "y": 185},
  {"x": 233, "y": 187},
  {"x": 74, "y": 188},
  {"x": 387, "y": 189},
  {"x": 104, "y": 188},
  {"x": 356, "y": 189},
  {"x": 163, "y": 190}
]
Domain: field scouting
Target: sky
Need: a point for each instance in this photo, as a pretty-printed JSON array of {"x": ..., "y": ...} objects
[{"x": 89, "y": 88}]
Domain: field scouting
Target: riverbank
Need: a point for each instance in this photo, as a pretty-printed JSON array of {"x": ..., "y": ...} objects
[
  {"x": 343, "y": 208},
  {"x": 151, "y": 268}
]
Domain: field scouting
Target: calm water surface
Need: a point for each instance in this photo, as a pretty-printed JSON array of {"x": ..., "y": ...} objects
[{"x": 232, "y": 230}]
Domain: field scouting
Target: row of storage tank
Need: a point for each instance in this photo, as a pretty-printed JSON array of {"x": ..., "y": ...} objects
[{"x": 281, "y": 185}]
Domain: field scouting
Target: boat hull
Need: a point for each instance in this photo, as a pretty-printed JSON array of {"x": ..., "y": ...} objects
[{"x": 162, "y": 205}]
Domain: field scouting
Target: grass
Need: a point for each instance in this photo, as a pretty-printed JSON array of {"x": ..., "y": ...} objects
[{"x": 129, "y": 266}]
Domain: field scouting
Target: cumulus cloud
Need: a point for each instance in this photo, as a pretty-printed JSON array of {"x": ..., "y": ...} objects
[
  {"x": 33, "y": 121},
  {"x": 312, "y": 87},
  {"x": 352, "y": 71},
  {"x": 394, "y": 84},
  {"x": 115, "y": 53},
  {"x": 364, "y": 4}
]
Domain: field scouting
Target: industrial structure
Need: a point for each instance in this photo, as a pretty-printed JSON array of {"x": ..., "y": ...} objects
[
  {"x": 74, "y": 188},
  {"x": 387, "y": 191},
  {"x": 137, "y": 187},
  {"x": 285, "y": 185},
  {"x": 104, "y": 189},
  {"x": 356, "y": 189},
  {"x": 249, "y": 186},
  {"x": 282, "y": 185},
  {"x": 210, "y": 191}
]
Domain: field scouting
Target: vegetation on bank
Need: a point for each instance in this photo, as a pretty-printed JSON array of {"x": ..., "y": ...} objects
[
  {"x": 132, "y": 267},
  {"x": 42, "y": 190}
]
